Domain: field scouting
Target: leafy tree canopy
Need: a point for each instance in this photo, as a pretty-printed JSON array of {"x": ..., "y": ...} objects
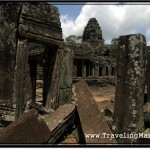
[{"x": 73, "y": 39}]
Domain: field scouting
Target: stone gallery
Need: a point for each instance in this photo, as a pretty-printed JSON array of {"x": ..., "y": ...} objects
[
  {"x": 40, "y": 103},
  {"x": 92, "y": 58}
]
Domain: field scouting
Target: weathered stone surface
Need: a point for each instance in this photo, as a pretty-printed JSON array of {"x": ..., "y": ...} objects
[
  {"x": 65, "y": 95},
  {"x": 128, "y": 113},
  {"x": 66, "y": 76},
  {"x": 27, "y": 129},
  {"x": 51, "y": 78},
  {"x": 40, "y": 14},
  {"x": 59, "y": 121},
  {"x": 66, "y": 69},
  {"x": 92, "y": 32},
  {"x": 8, "y": 49},
  {"x": 146, "y": 112},
  {"x": 31, "y": 36},
  {"x": 148, "y": 74},
  {"x": 20, "y": 78},
  {"x": 91, "y": 119}
]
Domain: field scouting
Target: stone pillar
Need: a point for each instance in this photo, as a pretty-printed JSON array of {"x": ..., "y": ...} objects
[
  {"x": 128, "y": 114},
  {"x": 104, "y": 71},
  {"x": 148, "y": 74},
  {"x": 21, "y": 77},
  {"x": 109, "y": 70},
  {"x": 93, "y": 71},
  {"x": 84, "y": 70},
  {"x": 75, "y": 71},
  {"x": 65, "y": 66},
  {"x": 96, "y": 71}
]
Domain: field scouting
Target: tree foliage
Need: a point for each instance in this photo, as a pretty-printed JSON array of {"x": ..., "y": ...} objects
[
  {"x": 114, "y": 47},
  {"x": 73, "y": 39}
]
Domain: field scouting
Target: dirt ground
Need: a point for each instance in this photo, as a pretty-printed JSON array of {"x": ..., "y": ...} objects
[{"x": 106, "y": 93}]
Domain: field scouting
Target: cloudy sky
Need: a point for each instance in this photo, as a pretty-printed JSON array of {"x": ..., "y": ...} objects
[{"x": 115, "y": 20}]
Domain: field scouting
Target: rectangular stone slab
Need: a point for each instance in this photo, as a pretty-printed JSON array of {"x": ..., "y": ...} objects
[
  {"x": 59, "y": 121},
  {"x": 91, "y": 119}
]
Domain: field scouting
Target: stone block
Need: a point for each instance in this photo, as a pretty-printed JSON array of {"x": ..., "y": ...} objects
[
  {"x": 27, "y": 129},
  {"x": 91, "y": 119},
  {"x": 59, "y": 121},
  {"x": 131, "y": 66}
]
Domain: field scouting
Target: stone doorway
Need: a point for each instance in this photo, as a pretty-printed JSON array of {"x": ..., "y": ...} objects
[{"x": 41, "y": 63}]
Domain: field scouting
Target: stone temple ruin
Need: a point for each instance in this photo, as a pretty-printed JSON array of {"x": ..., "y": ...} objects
[
  {"x": 92, "y": 58},
  {"x": 31, "y": 49},
  {"x": 39, "y": 101}
]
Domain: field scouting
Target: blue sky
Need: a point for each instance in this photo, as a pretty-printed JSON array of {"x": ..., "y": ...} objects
[
  {"x": 114, "y": 20},
  {"x": 72, "y": 9}
]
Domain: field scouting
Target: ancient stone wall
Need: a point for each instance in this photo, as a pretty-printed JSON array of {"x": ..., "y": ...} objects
[
  {"x": 30, "y": 36},
  {"x": 8, "y": 45}
]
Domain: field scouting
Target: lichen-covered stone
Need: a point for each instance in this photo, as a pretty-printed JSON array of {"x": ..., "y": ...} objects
[
  {"x": 148, "y": 74},
  {"x": 92, "y": 32},
  {"x": 131, "y": 65},
  {"x": 31, "y": 42}
]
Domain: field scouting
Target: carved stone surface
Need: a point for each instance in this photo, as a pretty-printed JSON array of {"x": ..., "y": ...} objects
[
  {"x": 92, "y": 32},
  {"x": 30, "y": 49},
  {"x": 35, "y": 17},
  {"x": 128, "y": 114}
]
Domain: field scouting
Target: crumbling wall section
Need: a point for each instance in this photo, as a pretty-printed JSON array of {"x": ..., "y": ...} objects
[
  {"x": 9, "y": 16},
  {"x": 22, "y": 24}
]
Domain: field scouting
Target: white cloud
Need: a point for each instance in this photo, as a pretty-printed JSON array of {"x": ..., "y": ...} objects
[{"x": 115, "y": 20}]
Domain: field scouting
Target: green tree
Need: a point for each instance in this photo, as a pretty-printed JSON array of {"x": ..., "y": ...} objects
[
  {"x": 73, "y": 39},
  {"x": 114, "y": 47}
]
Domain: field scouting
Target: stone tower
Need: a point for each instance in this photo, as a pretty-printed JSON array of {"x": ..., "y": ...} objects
[{"x": 92, "y": 32}]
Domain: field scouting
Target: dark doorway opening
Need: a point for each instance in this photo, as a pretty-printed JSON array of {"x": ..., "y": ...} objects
[
  {"x": 106, "y": 71},
  {"x": 113, "y": 71},
  {"x": 100, "y": 71},
  {"x": 79, "y": 66},
  {"x": 41, "y": 70},
  {"x": 88, "y": 65}
]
